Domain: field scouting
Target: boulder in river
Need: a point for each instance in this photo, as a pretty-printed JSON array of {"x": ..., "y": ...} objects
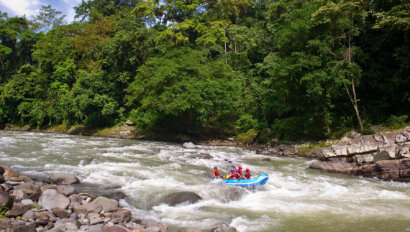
[
  {"x": 189, "y": 145},
  {"x": 177, "y": 198},
  {"x": 8, "y": 172},
  {"x": 64, "y": 178},
  {"x": 50, "y": 199}
]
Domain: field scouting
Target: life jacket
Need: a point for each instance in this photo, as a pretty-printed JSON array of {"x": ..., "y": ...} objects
[
  {"x": 215, "y": 172},
  {"x": 230, "y": 175},
  {"x": 247, "y": 175}
]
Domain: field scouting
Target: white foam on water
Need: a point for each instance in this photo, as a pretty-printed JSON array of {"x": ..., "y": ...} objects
[{"x": 245, "y": 224}]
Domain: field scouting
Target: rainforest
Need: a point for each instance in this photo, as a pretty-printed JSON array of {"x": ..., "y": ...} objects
[{"x": 285, "y": 69}]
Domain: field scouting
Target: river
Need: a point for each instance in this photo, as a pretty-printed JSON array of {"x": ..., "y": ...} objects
[{"x": 294, "y": 199}]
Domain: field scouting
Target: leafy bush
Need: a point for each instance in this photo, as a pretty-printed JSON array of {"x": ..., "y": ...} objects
[
  {"x": 396, "y": 122},
  {"x": 246, "y": 122}
]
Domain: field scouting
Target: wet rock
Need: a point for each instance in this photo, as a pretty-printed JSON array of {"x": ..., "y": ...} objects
[
  {"x": 189, "y": 145},
  {"x": 2, "y": 179},
  {"x": 20, "y": 178},
  {"x": 94, "y": 218},
  {"x": 2, "y": 170},
  {"x": 107, "y": 204},
  {"x": 115, "y": 195},
  {"x": 60, "y": 212},
  {"x": 114, "y": 229},
  {"x": 6, "y": 200},
  {"x": 177, "y": 198},
  {"x": 205, "y": 156},
  {"x": 8, "y": 172},
  {"x": 94, "y": 161},
  {"x": 266, "y": 159},
  {"x": 121, "y": 215},
  {"x": 50, "y": 198},
  {"x": 64, "y": 178},
  {"x": 18, "y": 209}
]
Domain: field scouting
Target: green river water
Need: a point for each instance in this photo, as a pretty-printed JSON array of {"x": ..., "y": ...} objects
[{"x": 294, "y": 199}]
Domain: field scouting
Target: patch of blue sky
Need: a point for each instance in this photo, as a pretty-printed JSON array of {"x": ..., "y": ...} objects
[{"x": 30, "y": 8}]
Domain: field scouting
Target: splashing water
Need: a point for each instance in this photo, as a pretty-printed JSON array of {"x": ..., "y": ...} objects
[{"x": 294, "y": 199}]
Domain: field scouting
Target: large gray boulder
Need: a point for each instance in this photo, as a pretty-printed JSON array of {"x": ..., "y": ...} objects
[
  {"x": 107, "y": 204},
  {"x": 50, "y": 199},
  {"x": 177, "y": 198},
  {"x": 64, "y": 178}
]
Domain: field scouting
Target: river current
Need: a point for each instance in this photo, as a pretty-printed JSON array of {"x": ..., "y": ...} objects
[{"x": 295, "y": 198}]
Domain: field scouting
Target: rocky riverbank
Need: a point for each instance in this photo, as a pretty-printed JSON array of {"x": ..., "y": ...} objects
[
  {"x": 56, "y": 206},
  {"x": 383, "y": 155}
]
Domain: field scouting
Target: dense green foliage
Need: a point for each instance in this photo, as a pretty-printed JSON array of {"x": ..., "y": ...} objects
[{"x": 291, "y": 69}]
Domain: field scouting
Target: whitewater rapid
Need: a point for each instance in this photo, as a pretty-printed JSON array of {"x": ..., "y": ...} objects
[{"x": 294, "y": 199}]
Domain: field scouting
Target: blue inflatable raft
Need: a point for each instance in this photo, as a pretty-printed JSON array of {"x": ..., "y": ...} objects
[{"x": 258, "y": 180}]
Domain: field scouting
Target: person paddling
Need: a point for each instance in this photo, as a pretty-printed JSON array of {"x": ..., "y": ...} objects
[
  {"x": 247, "y": 174},
  {"x": 215, "y": 172}
]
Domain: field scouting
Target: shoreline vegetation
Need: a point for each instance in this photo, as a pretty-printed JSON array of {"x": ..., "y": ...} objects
[{"x": 290, "y": 70}]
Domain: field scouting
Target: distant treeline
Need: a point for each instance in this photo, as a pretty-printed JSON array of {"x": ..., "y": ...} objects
[{"x": 292, "y": 69}]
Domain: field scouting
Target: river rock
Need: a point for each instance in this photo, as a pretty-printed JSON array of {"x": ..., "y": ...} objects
[
  {"x": 205, "y": 156},
  {"x": 189, "y": 145},
  {"x": 60, "y": 212},
  {"x": 177, "y": 198},
  {"x": 341, "y": 167},
  {"x": 29, "y": 227},
  {"x": 2, "y": 179},
  {"x": 94, "y": 218},
  {"x": 6, "y": 200},
  {"x": 114, "y": 229},
  {"x": 32, "y": 190},
  {"x": 107, "y": 204},
  {"x": 8, "y": 172},
  {"x": 93, "y": 207},
  {"x": 29, "y": 215},
  {"x": 121, "y": 215},
  {"x": 64, "y": 178},
  {"x": 2, "y": 170},
  {"x": 18, "y": 209},
  {"x": 42, "y": 218},
  {"x": 50, "y": 198},
  {"x": 5, "y": 223}
]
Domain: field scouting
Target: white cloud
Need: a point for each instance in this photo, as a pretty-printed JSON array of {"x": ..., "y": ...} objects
[
  {"x": 70, "y": 12},
  {"x": 22, "y": 7}
]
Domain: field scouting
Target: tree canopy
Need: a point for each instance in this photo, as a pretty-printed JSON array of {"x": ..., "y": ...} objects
[{"x": 293, "y": 69}]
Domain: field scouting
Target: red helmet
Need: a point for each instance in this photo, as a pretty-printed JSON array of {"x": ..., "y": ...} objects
[
  {"x": 247, "y": 170},
  {"x": 239, "y": 167}
]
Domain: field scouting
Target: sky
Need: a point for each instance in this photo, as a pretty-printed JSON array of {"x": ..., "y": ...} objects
[{"x": 30, "y": 8}]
